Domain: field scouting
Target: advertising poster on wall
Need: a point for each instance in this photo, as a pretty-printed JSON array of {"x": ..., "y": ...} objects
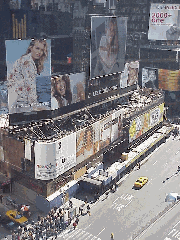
[
  {"x": 164, "y": 22},
  {"x": 117, "y": 125},
  {"x": 169, "y": 80},
  {"x": 129, "y": 76},
  {"x": 88, "y": 142},
  {"x": 150, "y": 77},
  {"x": 156, "y": 115},
  {"x": 108, "y": 41},
  {"x": 55, "y": 158},
  {"x": 105, "y": 132},
  {"x": 3, "y": 98},
  {"x": 138, "y": 126},
  {"x": 96, "y": 127},
  {"x": 65, "y": 153},
  {"x": 67, "y": 89},
  {"x": 80, "y": 146},
  {"x": 27, "y": 149},
  {"x": 28, "y": 74},
  {"x": 45, "y": 160}
]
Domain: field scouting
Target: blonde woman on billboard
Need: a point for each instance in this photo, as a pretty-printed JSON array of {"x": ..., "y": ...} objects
[
  {"x": 108, "y": 49},
  {"x": 22, "y": 78},
  {"x": 61, "y": 91}
]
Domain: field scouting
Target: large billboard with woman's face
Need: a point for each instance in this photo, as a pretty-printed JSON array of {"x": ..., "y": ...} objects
[
  {"x": 108, "y": 38},
  {"x": 67, "y": 89},
  {"x": 28, "y": 75}
]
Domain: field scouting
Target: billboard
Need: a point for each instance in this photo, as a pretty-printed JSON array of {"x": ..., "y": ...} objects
[
  {"x": 164, "y": 22},
  {"x": 28, "y": 74},
  {"x": 54, "y": 158},
  {"x": 105, "y": 132},
  {"x": 45, "y": 160},
  {"x": 156, "y": 115},
  {"x": 87, "y": 142},
  {"x": 150, "y": 77},
  {"x": 3, "y": 98},
  {"x": 108, "y": 38},
  {"x": 65, "y": 153},
  {"x": 138, "y": 126},
  {"x": 117, "y": 125},
  {"x": 144, "y": 122},
  {"x": 129, "y": 76},
  {"x": 169, "y": 80},
  {"x": 67, "y": 89}
]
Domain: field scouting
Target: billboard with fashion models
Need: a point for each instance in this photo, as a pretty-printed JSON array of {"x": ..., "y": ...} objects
[
  {"x": 67, "y": 89},
  {"x": 164, "y": 22},
  {"x": 28, "y": 74},
  {"x": 108, "y": 38}
]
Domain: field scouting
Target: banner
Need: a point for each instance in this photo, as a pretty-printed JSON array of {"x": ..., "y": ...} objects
[
  {"x": 67, "y": 89},
  {"x": 169, "y": 80},
  {"x": 164, "y": 22},
  {"x": 28, "y": 74},
  {"x": 65, "y": 153},
  {"x": 156, "y": 115},
  {"x": 80, "y": 146},
  {"x": 108, "y": 40},
  {"x": 150, "y": 77},
  {"x": 27, "y": 149},
  {"x": 138, "y": 126},
  {"x": 87, "y": 142},
  {"x": 105, "y": 132},
  {"x": 54, "y": 158},
  {"x": 45, "y": 160},
  {"x": 117, "y": 125}
]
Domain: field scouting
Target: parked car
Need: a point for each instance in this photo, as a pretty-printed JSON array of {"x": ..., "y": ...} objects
[{"x": 140, "y": 182}]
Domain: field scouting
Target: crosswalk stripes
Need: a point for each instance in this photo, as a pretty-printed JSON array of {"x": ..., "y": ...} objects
[{"x": 77, "y": 234}]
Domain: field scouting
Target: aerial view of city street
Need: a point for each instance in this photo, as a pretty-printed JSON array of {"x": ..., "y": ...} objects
[{"x": 89, "y": 120}]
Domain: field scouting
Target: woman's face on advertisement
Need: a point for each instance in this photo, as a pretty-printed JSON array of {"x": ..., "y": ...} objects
[
  {"x": 61, "y": 87},
  {"x": 37, "y": 50},
  {"x": 111, "y": 29}
]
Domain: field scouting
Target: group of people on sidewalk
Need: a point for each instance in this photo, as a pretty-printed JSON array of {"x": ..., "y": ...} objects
[{"x": 45, "y": 227}]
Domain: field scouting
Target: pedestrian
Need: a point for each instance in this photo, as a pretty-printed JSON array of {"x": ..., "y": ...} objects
[
  {"x": 74, "y": 225},
  {"x": 112, "y": 236},
  {"x": 86, "y": 200},
  {"x": 70, "y": 204},
  {"x": 77, "y": 220},
  {"x": 88, "y": 210},
  {"x": 80, "y": 210}
]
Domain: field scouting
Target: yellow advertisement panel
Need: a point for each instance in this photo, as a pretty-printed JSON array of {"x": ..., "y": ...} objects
[
  {"x": 169, "y": 80},
  {"x": 144, "y": 122}
]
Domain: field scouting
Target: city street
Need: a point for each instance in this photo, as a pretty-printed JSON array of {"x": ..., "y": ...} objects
[
  {"x": 165, "y": 228},
  {"x": 127, "y": 211}
]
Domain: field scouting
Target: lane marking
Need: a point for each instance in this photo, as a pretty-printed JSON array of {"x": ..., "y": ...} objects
[
  {"x": 87, "y": 226},
  {"x": 100, "y": 232},
  {"x": 115, "y": 200},
  {"x": 128, "y": 203}
]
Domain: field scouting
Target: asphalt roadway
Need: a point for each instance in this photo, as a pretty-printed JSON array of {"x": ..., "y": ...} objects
[{"x": 127, "y": 211}]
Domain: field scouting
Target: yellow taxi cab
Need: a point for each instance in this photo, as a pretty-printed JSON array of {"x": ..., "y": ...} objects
[
  {"x": 140, "y": 182},
  {"x": 15, "y": 216}
]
